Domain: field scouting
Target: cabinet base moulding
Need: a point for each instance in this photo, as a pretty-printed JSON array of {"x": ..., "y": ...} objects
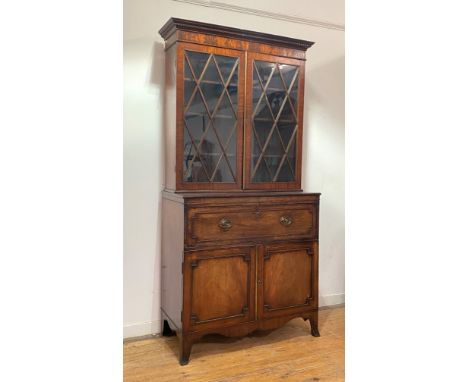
[{"x": 188, "y": 339}]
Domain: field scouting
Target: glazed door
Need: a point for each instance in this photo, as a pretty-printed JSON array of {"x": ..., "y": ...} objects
[
  {"x": 210, "y": 103},
  {"x": 287, "y": 279},
  {"x": 219, "y": 287},
  {"x": 273, "y": 124}
]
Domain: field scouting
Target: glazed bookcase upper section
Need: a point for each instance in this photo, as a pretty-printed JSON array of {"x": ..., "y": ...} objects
[{"x": 233, "y": 108}]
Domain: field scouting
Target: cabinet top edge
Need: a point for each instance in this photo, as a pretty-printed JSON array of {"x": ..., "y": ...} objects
[{"x": 174, "y": 24}]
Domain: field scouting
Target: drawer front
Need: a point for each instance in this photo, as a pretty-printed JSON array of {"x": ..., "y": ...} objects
[{"x": 217, "y": 224}]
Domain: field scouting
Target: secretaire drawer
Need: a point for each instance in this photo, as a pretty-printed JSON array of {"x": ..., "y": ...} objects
[{"x": 231, "y": 223}]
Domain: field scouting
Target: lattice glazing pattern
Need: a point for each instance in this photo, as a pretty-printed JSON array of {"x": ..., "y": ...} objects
[
  {"x": 274, "y": 122},
  {"x": 210, "y": 117}
]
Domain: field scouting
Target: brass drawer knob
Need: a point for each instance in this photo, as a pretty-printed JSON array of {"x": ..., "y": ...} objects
[
  {"x": 286, "y": 220},
  {"x": 225, "y": 224}
]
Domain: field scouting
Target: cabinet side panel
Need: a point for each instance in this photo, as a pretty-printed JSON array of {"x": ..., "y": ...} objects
[
  {"x": 170, "y": 117},
  {"x": 172, "y": 257}
]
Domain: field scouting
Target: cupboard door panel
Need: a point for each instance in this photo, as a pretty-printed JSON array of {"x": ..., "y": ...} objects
[
  {"x": 219, "y": 286},
  {"x": 210, "y": 122},
  {"x": 274, "y": 106},
  {"x": 288, "y": 279}
]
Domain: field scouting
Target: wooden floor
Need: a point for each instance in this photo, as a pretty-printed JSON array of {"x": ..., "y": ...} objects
[{"x": 289, "y": 353}]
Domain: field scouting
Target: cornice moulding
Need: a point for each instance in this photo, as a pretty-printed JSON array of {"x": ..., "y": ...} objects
[{"x": 174, "y": 24}]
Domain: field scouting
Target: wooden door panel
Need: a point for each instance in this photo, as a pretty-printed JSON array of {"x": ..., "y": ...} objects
[
  {"x": 219, "y": 286},
  {"x": 213, "y": 281},
  {"x": 288, "y": 277}
]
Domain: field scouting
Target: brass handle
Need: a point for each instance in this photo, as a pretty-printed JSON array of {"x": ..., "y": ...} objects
[
  {"x": 286, "y": 220},
  {"x": 225, "y": 224}
]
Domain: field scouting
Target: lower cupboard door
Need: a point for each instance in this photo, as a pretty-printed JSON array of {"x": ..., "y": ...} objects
[
  {"x": 288, "y": 279},
  {"x": 219, "y": 287}
]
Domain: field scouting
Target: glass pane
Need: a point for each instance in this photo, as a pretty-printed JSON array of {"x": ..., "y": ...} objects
[
  {"x": 274, "y": 122},
  {"x": 261, "y": 131},
  {"x": 293, "y": 93},
  {"x": 286, "y": 112},
  {"x": 231, "y": 152},
  {"x": 264, "y": 70},
  {"x": 275, "y": 82},
  {"x": 196, "y": 126},
  {"x": 211, "y": 74},
  {"x": 262, "y": 174},
  {"x": 285, "y": 174},
  {"x": 289, "y": 73},
  {"x": 224, "y": 107},
  {"x": 262, "y": 110},
  {"x": 223, "y": 173},
  {"x": 210, "y": 104},
  {"x": 276, "y": 99},
  {"x": 196, "y": 107},
  {"x": 292, "y": 155},
  {"x": 189, "y": 85},
  {"x": 211, "y": 92},
  {"x": 210, "y": 151},
  {"x": 197, "y": 61},
  {"x": 286, "y": 131},
  {"x": 226, "y": 64},
  {"x": 273, "y": 152},
  {"x": 192, "y": 164}
]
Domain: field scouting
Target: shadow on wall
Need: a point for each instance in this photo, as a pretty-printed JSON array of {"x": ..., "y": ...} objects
[
  {"x": 324, "y": 127},
  {"x": 157, "y": 78},
  {"x": 324, "y": 111},
  {"x": 142, "y": 161}
]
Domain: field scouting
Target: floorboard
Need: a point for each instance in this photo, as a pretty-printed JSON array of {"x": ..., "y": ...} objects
[{"x": 289, "y": 353}]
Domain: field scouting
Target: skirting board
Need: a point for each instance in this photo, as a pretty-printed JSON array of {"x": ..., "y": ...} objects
[
  {"x": 332, "y": 299},
  {"x": 141, "y": 329},
  {"x": 154, "y": 327}
]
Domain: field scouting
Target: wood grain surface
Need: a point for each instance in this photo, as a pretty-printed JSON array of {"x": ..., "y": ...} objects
[{"x": 286, "y": 354}]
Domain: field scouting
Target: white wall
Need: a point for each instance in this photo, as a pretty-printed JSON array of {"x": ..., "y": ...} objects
[{"x": 323, "y": 162}]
